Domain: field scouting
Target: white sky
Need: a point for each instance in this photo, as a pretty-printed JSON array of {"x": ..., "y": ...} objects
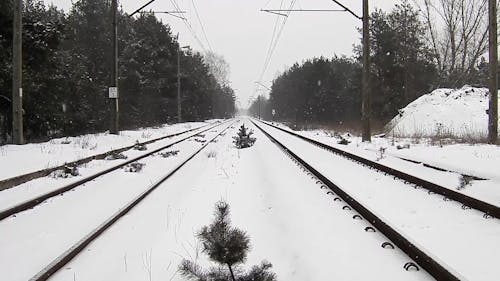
[{"x": 239, "y": 31}]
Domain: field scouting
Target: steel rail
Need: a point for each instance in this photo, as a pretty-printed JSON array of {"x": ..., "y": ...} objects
[
  {"x": 73, "y": 251},
  {"x": 487, "y": 208},
  {"x": 17, "y": 180},
  {"x": 28, "y": 204},
  {"x": 432, "y": 266}
]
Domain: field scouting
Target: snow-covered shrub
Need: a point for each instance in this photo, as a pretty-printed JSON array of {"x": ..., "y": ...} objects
[
  {"x": 66, "y": 172},
  {"x": 135, "y": 167},
  {"x": 228, "y": 247},
  {"x": 146, "y": 135},
  {"x": 170, "y": 153},
  {"x": 244, "y": 138},
  {"x": 140, "y": 146},
  {"x": 116, "y": 156},
  {"x": 465, "y": 181},
  {"x": 381, "y": 153}
]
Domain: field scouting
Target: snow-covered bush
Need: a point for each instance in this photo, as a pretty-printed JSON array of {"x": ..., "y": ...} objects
[
  {"x": 170, "y": 153},
  {"x": 244, "y": 138},
  {"x": 139, "y": 146},
  {"x": 135, "y": 167},
  {"x": 66, "y": 172},
  {"x": 228, "y": 247},
  {"x": 116, "y": 156}
]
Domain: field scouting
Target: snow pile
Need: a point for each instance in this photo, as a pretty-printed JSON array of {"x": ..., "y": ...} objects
[{"x": 444, "y": 113}]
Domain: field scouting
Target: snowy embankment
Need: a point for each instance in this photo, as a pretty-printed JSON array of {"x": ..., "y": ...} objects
[
  {"x": 458, "y": 113},
  {"x": 16, "y": 160}
]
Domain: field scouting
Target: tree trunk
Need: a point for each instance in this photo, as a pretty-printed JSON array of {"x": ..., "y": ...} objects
[{"x": 232, "y": 273}]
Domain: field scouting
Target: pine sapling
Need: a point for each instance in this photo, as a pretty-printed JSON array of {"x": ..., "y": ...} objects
[
  {"x": 228, "y": 247},
  {"x": 244, "y": 138}
]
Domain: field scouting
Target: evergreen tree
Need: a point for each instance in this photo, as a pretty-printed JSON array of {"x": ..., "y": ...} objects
[
  {"x": 228, "y": 247},
  {"x": 403, "y": 66},
  {"x": 66, "y": 72},
  {"x": 244, "y": 138}
]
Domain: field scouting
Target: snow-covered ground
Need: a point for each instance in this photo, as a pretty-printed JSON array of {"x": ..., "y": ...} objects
[
  {"x": 20, "y": 159},
  {"x": 291, "y": 222},
  {"x": 440, "y": 227},
  {"x": 58, "y": 223}
]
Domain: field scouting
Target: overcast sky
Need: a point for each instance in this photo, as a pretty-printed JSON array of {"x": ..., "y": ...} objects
[{"x": 239, "y": 31}]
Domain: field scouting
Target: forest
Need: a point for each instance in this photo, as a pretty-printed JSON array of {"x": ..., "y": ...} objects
[
  {"x": 411, "y": 55},
  {"x": 67, "y": 59}
]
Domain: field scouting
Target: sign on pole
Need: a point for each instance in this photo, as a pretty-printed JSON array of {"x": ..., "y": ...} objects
[{"x": 113, "y": 92}]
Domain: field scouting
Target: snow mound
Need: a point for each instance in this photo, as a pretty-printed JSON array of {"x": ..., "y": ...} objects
[{"x": 444, "y": 112}]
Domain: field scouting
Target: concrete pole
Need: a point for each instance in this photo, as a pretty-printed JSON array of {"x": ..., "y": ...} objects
[
  {"x": 366, "y": 106},
  {"x": 17, "y": 61},
  {"x": 493, "y": 50},
  {"x": 115, "y": 113}
]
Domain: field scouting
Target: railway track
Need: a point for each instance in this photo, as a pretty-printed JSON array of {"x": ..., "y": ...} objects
[
  {"x": 20, "y": 179},
  {"x": 467, "y": 202},
  {"x": 33, "y": 202},
  {"x": 424, "y": 259},
  {"x": 77, "y": 247}
]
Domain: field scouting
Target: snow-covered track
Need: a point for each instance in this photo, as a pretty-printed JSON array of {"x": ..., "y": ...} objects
[
  {"x": 74, "y": 250},
  {"x": 420, "y": 256},
  {"x": 467, "y": 201},
  {"x": 20, "y": 179},
  {"x": 30, "y": 203}
]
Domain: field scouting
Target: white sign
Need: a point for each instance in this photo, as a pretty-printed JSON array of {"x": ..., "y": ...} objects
[
  {"x": 113, "y": 92},
  {"x": 273, "y": 112}
]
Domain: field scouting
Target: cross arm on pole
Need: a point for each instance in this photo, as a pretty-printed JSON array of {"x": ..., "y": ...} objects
[
  {"x": 140, "y": 9},
  {"x": 347, "y": 9}
]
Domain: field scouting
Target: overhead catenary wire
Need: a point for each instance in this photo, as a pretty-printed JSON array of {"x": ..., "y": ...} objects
[
  {"x": 189, "y": 26},
  {"x": 202, "y": 26},
  {"x": 271, "y": 42},
  {"x": 274, "y": 41}
]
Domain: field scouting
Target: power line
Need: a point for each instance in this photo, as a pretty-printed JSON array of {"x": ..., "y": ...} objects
[
  {"x": 189, "y": 26},
  {"x": 202, "y": 27},
  {"x": 271, "y": 43},
  {"x": 275, "y": 43}
]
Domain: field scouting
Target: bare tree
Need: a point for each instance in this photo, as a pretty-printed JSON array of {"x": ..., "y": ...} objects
[
  {"x": 219, "y": 67},
  {"x": 458, "y": 34}
]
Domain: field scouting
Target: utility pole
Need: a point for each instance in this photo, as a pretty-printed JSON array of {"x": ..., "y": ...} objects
[
  {"x": 259, "y": 108},
  {"x": 179, "y": 103},
  {"x": 366, "y": 106},
  {"x": 493, "y": 50},
  {"x": 17, "y": 64},
  {"x": 113, "y": 88},
  {"x": 366, "y": 92}
]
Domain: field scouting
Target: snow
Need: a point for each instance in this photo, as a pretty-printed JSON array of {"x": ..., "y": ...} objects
[
  {"x": 291, "y": 221},
  {"x": 61, "y": 221},
  {"x": 444, "y": 112},
  {"x": 59, "y": 151},
  {"x": 439, "y": 226}
]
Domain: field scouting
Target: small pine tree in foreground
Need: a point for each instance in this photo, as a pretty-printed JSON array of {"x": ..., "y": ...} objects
[
  {"x": 244, "y": 138},
  {"x": 228, "y": 247}
]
